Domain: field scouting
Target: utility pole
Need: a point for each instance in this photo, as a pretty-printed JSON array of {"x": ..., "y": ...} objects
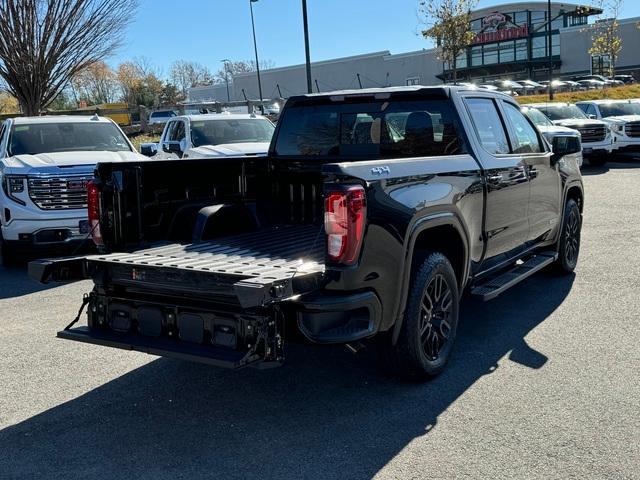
[
  {"x": 226, "y": 76},
  {"x": 306, "y": 46},
  {"x": 255, "y": 48},
  {"x": 550, "y": 51}
]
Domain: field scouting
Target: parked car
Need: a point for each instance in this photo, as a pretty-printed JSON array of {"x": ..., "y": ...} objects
[
  {"x": 592, "y": 84},
  {"x": 45, "y": 164},
  {"x": 626, "y": 79},
  {"x": 623, "y": 117},
  {"x": 215, "y": 135},
  {"x": 552, "y": 131},
  {"x": 349, "y": 230},
  {"x": 597, "y": 141},
  {"x": 161, "y": 117}
]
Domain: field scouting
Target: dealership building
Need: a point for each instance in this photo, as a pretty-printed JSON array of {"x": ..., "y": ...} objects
[{"x": 511, "y": 42}]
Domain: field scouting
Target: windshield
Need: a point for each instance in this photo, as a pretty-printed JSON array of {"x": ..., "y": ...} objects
[
  {"x": 537, "y": 117},
  {"x": 37, "y": 138},
  {"x": 370, "y": 129},
  {"x": 219, "y": 131},
  {"x": 562, "y": 112},
  {"x": 615, "y": 109},
  {"x": 167, "y": 114}
]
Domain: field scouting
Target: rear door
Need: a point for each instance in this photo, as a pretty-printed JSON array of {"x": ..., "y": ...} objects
[
  {"x": 507, "y": 182},
  {"x": 544, "y": 180}
]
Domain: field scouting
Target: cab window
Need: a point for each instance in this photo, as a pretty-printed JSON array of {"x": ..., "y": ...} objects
[
  {"x": 177, "y": 133},
  {"x": 488, "y": 125},
  {"x": 524, "y": 137}
]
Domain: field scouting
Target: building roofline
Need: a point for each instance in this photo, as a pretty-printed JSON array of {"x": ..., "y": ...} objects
[
  {"x": 481, "y": 12},
  {"x": 381, "y": 53}
]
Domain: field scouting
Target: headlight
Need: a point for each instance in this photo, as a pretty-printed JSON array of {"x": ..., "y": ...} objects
[{"x": 12, "y": 185}]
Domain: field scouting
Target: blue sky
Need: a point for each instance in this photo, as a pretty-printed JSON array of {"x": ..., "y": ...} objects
[{"x": 207, "y": 31}]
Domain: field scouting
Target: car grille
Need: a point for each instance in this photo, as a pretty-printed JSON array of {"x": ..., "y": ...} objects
[
  {"x": 59, "y": 193},
  {"x": 632, "y": 129},
  {"x": 591, "y": 133}
]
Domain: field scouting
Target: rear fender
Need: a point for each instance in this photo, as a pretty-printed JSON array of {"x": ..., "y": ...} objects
[{"x": 443, "y": 219}]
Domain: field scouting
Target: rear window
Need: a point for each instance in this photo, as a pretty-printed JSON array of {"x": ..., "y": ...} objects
[
  {"x": 166, "y": 114},
  {"x": 373, "y": 129}
]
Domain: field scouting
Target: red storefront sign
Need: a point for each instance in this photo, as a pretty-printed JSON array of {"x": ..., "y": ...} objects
[{"x": 501, "y": 35}]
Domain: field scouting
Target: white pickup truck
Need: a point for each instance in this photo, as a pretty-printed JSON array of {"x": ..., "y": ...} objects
[
  {"x": 623, "y": 116},
  {"x": 45, "y": 165},
  {"x": 213, "y": 135}
]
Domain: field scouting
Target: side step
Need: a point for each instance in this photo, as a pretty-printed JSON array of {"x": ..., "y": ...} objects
[{"x": 496, "y": 285}]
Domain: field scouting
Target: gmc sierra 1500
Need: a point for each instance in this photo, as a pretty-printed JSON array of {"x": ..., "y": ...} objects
[{"x": 371, "y": 214}]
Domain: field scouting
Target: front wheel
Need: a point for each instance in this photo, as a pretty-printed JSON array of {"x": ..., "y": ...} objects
[
  {"x": 569, "y": 243},
  {"x": 430, "y": 322}
]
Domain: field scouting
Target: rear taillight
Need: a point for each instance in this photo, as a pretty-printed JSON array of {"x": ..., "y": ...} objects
[
  {"x": 93, "y": 207},
  {"x": 344, "y": 222}
]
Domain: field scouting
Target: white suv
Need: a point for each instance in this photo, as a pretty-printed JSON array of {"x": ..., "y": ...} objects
[
  {"x": 45, "y": 164},
  {"x": 623, "y": 116}
]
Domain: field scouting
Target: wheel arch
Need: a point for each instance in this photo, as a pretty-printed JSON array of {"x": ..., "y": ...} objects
[{"x": 444, "y": 233}]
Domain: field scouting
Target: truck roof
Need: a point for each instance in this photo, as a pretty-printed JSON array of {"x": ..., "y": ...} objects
[
  {"x": 415, "y": 89},
  {"x": 218, "y": 116},
  {"x": 60, "y": 119}
]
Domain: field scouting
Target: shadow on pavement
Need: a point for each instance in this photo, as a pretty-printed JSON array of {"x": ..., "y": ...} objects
[
  {"x": 619, "y": 163},
  {"x": 15, "y": 282},
  {"x": 325, "y": 414}
]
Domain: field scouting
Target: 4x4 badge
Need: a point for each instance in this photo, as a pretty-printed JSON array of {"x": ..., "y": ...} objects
[{"x": 381, "y": 170}]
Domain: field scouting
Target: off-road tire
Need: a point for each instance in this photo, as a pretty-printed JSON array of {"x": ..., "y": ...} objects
[
  {"x": 411, "y": 358},
  {"x": 569, "y": 241}
]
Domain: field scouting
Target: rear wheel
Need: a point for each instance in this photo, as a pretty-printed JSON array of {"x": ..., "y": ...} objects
[
  {"x": 569, "y": 243},
  {"x": 430, "y": 323}
]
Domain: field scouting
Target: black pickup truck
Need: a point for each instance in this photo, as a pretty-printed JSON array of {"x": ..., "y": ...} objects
[{"x": 373, "y": 212}]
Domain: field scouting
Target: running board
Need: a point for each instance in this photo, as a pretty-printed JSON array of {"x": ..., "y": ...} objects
[{"x": 495, "y": 286}]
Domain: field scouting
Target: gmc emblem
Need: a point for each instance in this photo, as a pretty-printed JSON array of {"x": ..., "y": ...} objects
[{"x": 77, "y": 184}]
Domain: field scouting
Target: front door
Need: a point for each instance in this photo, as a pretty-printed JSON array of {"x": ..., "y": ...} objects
[
  {"x": 545, "y": 189},
  {"x": 507, "y": 182}
]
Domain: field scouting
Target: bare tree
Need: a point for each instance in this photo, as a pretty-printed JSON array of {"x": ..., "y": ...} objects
[
  {"x": 606, "y": 39},
  {"x": 448, "y": 23},
  {"x": 43, "y": 44},
  {"x": 185, "y": 75},
  {"x": 95, "y": 84}
]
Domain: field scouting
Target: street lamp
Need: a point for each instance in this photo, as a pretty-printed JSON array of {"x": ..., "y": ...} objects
[
  {"x": 255, "y": 47},
  {"x": 550, "y": 52},
  {"x": 225, "y": 61},
  {"x": 306, "y": 45}
]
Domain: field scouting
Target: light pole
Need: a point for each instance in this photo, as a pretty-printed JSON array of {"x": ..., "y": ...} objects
[
  {"x": 550, "y": 52},
  {"x": 226, "y": 76},
  {"x": 255, "y": 47},
  {"x": 306, "y": 45}
]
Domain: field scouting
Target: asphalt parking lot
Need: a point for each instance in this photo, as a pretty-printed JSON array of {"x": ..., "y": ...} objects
[{"x": 543, "y": 383}]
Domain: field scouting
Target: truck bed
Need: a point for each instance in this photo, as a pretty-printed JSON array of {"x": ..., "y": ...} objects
[{"x": 255, "y": 268}]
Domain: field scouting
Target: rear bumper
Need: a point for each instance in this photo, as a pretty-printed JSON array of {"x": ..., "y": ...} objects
[{"x": 339, "y": 318}]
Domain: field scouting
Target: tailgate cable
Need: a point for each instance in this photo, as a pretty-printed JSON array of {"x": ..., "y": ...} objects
[{"x": 85, "y": 301}]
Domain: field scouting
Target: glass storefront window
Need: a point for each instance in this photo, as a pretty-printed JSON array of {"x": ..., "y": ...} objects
[
  {"x": 507, "y": 52},
  {"x": 538, "y": 47},
  {"x": 521, "y": 50},
  {"x": 520, "y": 18},
  {"x": 555, "y": 44},
  {"x": 538, "y": 20},
  {"x": 490, "y": 54},
  {"x": 476, "y": 56},
  {"x": 461, "y": 62},
  {"x": 557, "y": 23}
]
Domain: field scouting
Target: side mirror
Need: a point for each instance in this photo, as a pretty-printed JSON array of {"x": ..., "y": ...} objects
[
  {"x": 565, "y": 145},
  {"x": 172, "y": 147},
  {"x": 148, "y": 149},
  {"x": 591, "y": 116}
]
